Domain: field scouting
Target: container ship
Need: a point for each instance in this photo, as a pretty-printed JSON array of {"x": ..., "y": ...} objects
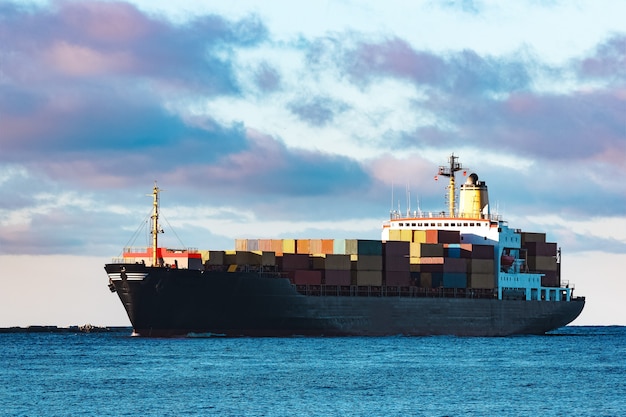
[{"x": 463, "y": 272}]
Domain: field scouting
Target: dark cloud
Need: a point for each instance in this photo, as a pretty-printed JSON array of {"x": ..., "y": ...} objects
[
  {"x": 317, "y": 111},
  {"x": 267, "y": 167}
]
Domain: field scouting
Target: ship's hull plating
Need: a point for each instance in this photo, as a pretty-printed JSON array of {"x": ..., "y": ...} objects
[{"x": 171, "y": 302}]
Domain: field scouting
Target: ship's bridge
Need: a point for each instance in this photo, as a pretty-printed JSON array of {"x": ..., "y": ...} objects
[{"x": 472, "y": 230}]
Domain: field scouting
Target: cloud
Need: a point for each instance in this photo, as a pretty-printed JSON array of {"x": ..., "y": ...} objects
[
  {"x": 608, "y": 60},
  {"x": 317, "y": 111},
  {"x": 267, "y": 78}
]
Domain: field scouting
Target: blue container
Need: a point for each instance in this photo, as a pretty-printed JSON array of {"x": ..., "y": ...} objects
[{"x": 454, "y": 280}]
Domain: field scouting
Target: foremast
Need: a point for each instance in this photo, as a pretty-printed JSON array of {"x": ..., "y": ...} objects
[{"x": 155, "y": 229}]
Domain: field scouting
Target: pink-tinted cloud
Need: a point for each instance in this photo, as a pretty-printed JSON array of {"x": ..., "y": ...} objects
[
  {"x": 608, "y": 61},
  {"x": 394, "y": 57}
]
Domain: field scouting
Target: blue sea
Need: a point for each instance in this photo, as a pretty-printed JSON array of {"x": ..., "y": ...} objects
[{"x": 575, "y": 371}]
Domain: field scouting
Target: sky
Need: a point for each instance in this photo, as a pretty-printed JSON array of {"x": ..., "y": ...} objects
[{"x": 311, "y": 119}]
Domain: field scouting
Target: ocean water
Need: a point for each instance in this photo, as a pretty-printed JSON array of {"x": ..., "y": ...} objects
[{"x": 577, "y": 371}]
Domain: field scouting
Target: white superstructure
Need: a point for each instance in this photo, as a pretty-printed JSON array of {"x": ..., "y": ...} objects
[{"x": 477, "y": 226}]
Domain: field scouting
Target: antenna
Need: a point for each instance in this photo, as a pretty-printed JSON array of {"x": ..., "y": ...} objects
[{"x": 408, "y": 200}]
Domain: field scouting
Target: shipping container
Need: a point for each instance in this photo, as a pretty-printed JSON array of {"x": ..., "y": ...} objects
[
  {"x": 394, "y": 234},
  {"x": 425, "y": 280},
  {"x": 452, "y": 252},
  {"x": 542, "y": 263},
  {"x": 454, "y": 280},
  {"x": 550, "y": 279},
  {"x": 431, "y": 249},
  {"x": 399, "y": 248},
  {"x": 253, "y": 244},
  {"x": 216, "y": 257},
  {"x": 369, "y": 263},
  {"x": 455, "y": 265},
  {"x": 277, "y": 246},
  {"x": 241, "y": 258},
  {"x": 241, "y": 244},
  {"x": 303, "y": 246},
  {"x": 436, "y": 279},
  {"x": 337, "y": 277},
  {"x": 443, "y": 236},
  {"x": 540, "y": 248},
  {"x": 481, "y": 266},
  {"x": 396, "y": 263},
  {"x": 364, "y": 247},
  {"x": 406, "y": 235},
  {"x": 306, "y": 277},
  {"x": 328, "y": 246},
  {"x": 268, "y": 258},
  {"x": 339, "y": 247},
  {"x": 289, "y": 246},
  {"x": 432, "y": 260},
  {"x": 372, "y": 278},
  {"x": 293, "y": 262},
  {"x": 266, "y": 245},
  {"x": 419, "y": 236},
  {"x": 318, "y": 262},
  {"x": 415, "y": 250},
  {"x": 315, "y": 246},
  {"x": 338, "y": 262},
  {"x": 482, "y": 252},
  {"x": 482, "y": 281},
  {"x": 431, "y": 267},
  {"x": 398, "y": 278},
  {"x": 532, "y": 237}
]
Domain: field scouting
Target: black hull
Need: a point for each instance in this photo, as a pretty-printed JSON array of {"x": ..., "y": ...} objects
[{"x": 177, "y": 302}]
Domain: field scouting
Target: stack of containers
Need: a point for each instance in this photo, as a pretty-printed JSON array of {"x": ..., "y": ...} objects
[
  {"x": 396, "y": 263},
  {"x": 367, "y": 265},
  {"x": 430, "y": 264},
  {"x": 541, "y": 258},
  {"x": 455, "y": 268},
  {"x": 298, "y": 267},
  {"x": 481, "y": 265},
  {"x": 337, "y": 269}
]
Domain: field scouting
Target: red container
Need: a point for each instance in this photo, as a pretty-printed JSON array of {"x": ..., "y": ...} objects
[
  {"x": 335, "y": 277},
  {"x": 443, "y": 236},
  {"x": 307, "y": 277}
]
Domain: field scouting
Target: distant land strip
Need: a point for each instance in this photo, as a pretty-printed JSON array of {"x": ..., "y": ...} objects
[{"x": 86, "y": 328}]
